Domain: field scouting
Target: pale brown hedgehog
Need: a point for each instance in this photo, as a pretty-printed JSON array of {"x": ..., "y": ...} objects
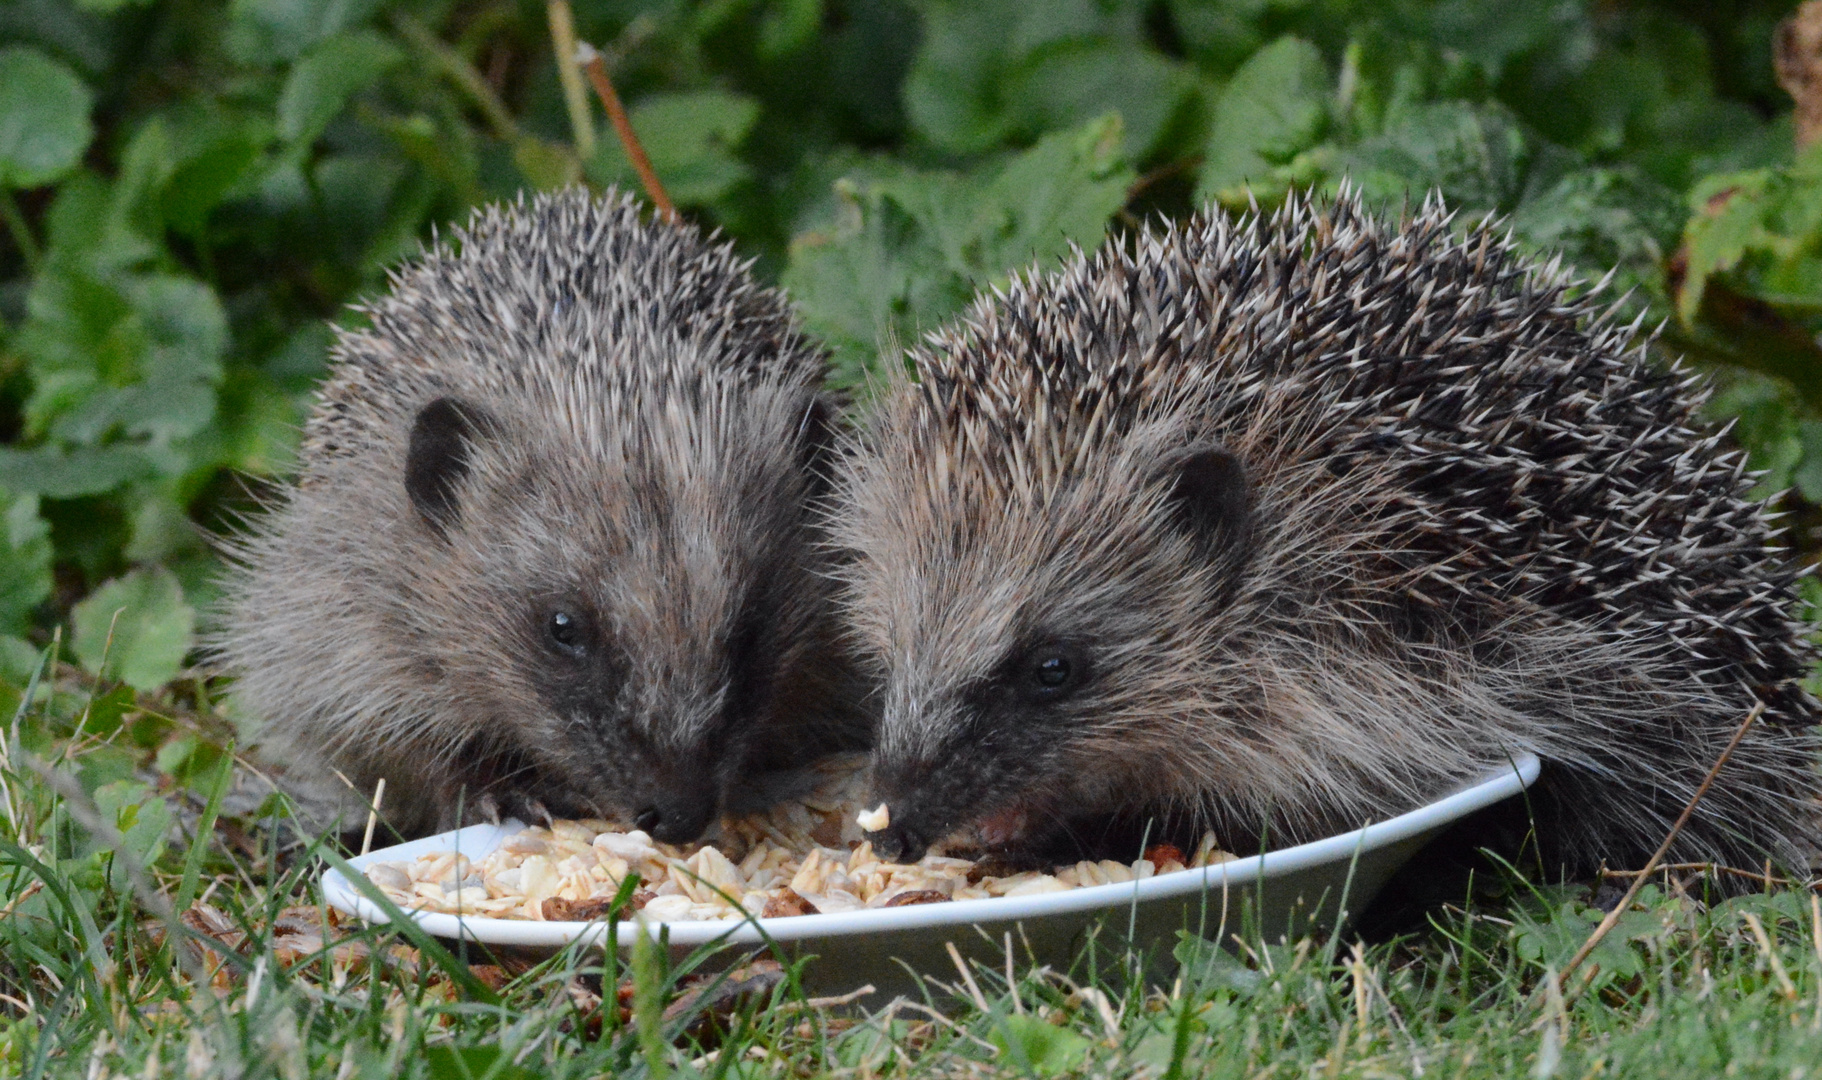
[
  {"x": 1287, "y": 525},
  {"x": 552, "y": 546}
]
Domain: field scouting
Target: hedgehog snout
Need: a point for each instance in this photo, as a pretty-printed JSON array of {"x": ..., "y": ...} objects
[
  {"x": 678, "y": 815},
  {"x": 899, "y": 844}
]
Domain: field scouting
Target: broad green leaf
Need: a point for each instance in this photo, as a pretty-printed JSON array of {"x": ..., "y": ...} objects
[
  {"x": 143, "y": 818},
  {"x": 1601, "y": 218},
  {"x": 1765, "y": 417},
  {"x": 956, "y": 91},
  {"x": 1221, "y": 36},
  {"x": 227, "y": 162},
  {"x": 788, "y": 25},
  {"x": 691, "y": 139},
  {"x": 135, "y": 357},
  {"x": 1807, "y": 476},
  {"x": 1073, "y": 82},
  {"x": 907, "y": 247},
  {"x": 1061, "y": 191},
  {"x": 1475, "y": 155},
  {"x": 153, "y": 632},
  {"x": 1275, "y": 106},
  {"x": 68, "y": 474},
  {"x": 25, "y": 561},
  {"x": 269, "y": 31},
  {"x": 1494, "y": 35},
  {"x": 1038, "y": 1045},
  {"x": 1727, "y": 220},
  {"x": 44, "y": 118},
  {"x": 320, "y": 85},
  {"x": 87, "y": 233},
  {"x": 1208, "y": 965},
  {"x": 19, "y": 660}
]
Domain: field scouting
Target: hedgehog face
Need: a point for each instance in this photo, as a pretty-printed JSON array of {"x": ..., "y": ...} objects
[
  {"x": 1026, "y": 678},
  {"x": 615, "y": 646}
]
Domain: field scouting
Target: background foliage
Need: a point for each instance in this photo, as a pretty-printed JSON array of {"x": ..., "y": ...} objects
[{"x": 192, "y": 189}]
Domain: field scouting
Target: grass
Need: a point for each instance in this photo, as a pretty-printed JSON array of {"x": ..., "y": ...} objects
[{"x": 155, "y": 922}]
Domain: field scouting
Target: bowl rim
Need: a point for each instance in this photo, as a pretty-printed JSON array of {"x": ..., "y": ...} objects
[{"x": 1495, "y": 785}]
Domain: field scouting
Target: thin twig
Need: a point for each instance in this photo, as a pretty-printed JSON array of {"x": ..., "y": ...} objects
[
  {"x": 373, "y": 814},
  {"x": 974, "y": 991},
  {"x": 1770, "y": 953},
  {"x": 575, "y": 97},
  {"x": 596, "y": 66},
  {"x": 1651, "y": 864},
  {"x": 464, "y": 75},
  {"x": 1767, "y": 880}
]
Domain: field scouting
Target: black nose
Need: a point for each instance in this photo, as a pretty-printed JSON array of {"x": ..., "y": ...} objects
[
  {"x": 898, "y": 844},
  {"x": 677, "y": 820}
]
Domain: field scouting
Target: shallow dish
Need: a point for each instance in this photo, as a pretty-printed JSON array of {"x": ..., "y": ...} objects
[{"x": 1285, "y": 891}]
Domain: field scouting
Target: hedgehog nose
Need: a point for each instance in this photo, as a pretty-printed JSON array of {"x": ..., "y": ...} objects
[
  {"x": 898, "y": 844},
  {"x": 677, "y": 819}
]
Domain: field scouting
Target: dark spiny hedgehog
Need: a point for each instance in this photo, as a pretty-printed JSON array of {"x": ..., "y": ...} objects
[
  {"x": 552, "y": 545},
  {"x": 1282, "y": 526}
]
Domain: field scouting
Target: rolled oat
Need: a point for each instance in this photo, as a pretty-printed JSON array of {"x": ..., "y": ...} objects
[{"x": 801, "y": 858}]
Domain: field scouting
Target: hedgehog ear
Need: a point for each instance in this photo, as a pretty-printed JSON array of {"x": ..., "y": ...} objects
[
  {"x": 438, "y": 457},
  {"x": 1212, "y": 498}
]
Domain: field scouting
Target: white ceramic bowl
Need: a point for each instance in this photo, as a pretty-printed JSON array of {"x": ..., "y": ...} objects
[{"x": 1286, "y": 891}]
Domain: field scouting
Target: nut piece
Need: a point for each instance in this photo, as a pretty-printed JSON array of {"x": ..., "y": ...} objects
[{"x": 875, "y": 819}]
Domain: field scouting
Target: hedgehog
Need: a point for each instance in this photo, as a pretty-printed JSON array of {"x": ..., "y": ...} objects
[
  {"x": 1283, "y": 525},
  {"x": 551, "y": 548}
]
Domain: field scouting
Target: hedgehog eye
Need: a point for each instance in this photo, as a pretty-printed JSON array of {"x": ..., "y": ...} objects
[
  {"x": 565, "y": 632},
  {"x": 1052, "y": 674}
]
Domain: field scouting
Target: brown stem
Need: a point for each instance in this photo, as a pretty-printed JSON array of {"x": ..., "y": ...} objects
[
  {"x": 1651, "y": 864},
  {"x": 591, "y": 61}
]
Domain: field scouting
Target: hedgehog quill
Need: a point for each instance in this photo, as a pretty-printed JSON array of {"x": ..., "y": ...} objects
[
  {"x": 1284, "y": 525},
  {"x": 551, "y": 548}
]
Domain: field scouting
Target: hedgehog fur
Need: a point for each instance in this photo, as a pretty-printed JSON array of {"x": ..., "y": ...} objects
[
  {"x": 551, "y": 548},
  {"x": 1283, "y": 525}
]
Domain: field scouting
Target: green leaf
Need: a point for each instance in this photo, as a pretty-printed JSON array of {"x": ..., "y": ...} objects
[
  {"x": 1206, "y": 964},
  {"x": 70, "y": 474},
  {"x": 1276, "y": 106},
  {"x": 226, "y": 163},
  {"x": 138, "y": 356},
  {"x": 1728, "y": 220},
  {"x": 154, "y": 630},
  {"x": 320, "y": 85},
  {"x": 19, "y": 661},
  {"x": 691, "y": 139},
  {"x": 144, "y": 821},
  {"x": 972, "y": 50},
  {"x": 89, "y": 234},
  {"x": 1807, "y": 476},
  {"x": 25, "y": 561},
  {"x": 267, "y": 31},
  {"x": 1599, "y": 218},
  {"x": 1039, "y": 1046},
  {"x": 1077, "y": 81},
  {"x": 44, "y": 118},
  {"x": 108, "y": 7},
  {"x": 1475, "y": 155},
  {"x": 907, "y": 248}
]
